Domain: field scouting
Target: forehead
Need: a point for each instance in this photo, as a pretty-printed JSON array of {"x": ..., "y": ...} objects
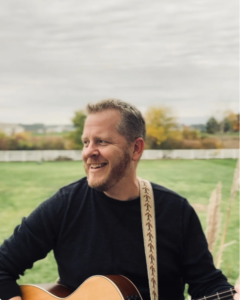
[{"x": 102, "y": 122}]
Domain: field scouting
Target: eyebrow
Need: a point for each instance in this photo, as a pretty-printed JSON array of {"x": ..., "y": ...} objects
[{"x": 98, "y": 138}]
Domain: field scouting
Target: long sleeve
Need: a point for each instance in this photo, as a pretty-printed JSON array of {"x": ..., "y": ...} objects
[
  {"x": 31, "y": 241},
  {"x": 198, "y": 267},
  {"x": 101, "y": 235}
]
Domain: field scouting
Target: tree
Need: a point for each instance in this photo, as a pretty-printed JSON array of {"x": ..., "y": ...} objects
[
  {"x": 4, "y": 141},
  {"x": 212, "y": 125},
  {"x": 228, "y": 122},
  {"x": 189, "y": 133},
  {"x": 227, "y": 125},
  {"x": 160, "y": 123},
  {"x": 236, "y": 123},
  {"x": 76, "y": 136}
]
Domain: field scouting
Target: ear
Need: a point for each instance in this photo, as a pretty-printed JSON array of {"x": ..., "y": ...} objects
[{"x": 139, "y": 145}]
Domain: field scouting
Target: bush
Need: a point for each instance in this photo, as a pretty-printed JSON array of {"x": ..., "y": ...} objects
[
  {"x": 211, "y": 143},
  {"x": 25, "y": 141},
  {"x": 63, "y": 158},
  {"x": 4, "y": 141}
]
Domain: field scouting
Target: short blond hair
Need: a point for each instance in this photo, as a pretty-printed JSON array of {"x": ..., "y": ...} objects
[{"x": 132, "y": 124}]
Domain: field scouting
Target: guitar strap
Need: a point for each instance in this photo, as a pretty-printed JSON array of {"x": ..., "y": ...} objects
[{"x": 149, "y": 234}]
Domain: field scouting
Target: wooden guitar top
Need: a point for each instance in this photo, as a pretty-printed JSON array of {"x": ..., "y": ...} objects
[{"x": 110, "y": 287}]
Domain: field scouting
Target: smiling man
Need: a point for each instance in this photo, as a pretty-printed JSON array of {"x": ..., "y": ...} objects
[
  {"x": 110, "y": 157},
  {"x": 94, "y": 224}
]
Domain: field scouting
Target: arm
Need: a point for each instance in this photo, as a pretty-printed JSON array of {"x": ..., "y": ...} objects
[
  {"x": 31, "y": 241},
  {"x": 198, "y": 267}
]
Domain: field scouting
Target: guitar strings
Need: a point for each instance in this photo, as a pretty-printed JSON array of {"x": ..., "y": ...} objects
[
  {"x": 225, "y": 297},
  {"x": 232, "y": 291}
]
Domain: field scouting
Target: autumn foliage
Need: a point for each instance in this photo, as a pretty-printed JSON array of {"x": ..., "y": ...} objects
[
  {"x": 163, "y": 132},
  {"x": 160, "y": 125},
  {"x": 26, "y": 141},
  {"x": 230, "y": 123}
]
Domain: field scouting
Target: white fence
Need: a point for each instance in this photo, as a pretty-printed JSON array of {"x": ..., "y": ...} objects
[
  {"x": 40, "y": 155},
  {"x": 51, "y": 155},
  {"x": 191, "y": 154}
]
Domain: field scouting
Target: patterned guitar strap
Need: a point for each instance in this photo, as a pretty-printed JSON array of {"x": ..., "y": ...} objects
[{"x": 149, "y": 235}]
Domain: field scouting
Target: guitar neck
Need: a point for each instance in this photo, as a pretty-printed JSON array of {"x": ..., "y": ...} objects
[{"x": 226, "y": 295}]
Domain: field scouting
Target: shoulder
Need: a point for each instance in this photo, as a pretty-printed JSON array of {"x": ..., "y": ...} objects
[
  {"x": 162, "y": 191},
  {"x": 168, "y": 199},
  {"x": 65, "y": 195},
  {"x": 74, "y": 187},
  {"x": 173, "y": 211}
]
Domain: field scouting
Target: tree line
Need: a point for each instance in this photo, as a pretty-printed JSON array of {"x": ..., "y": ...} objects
[
  {"x": 163, "y": 132},
  {"x": 230, "y": 123}
]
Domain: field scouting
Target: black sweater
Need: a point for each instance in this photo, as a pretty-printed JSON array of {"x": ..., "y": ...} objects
[{"x": 92, "y": 234}]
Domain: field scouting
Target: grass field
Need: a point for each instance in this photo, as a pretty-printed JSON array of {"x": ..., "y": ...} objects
[{"x": 24, "y": 185}]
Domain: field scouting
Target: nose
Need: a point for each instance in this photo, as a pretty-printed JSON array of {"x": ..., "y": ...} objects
[{"x": 90, "y": 150}]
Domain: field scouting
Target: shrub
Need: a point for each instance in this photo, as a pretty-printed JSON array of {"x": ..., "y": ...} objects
[{"x": 211, "y": 143}]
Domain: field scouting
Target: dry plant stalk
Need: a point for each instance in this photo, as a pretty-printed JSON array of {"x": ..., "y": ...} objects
[
  {"x": 199, "y": 207},
  {"x": 231, "y": 202},
  {"x": 213, "y": 217},
  {"x": 238, "y": 281}
]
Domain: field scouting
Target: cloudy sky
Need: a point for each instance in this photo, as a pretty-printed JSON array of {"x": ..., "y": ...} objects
[{"x": 58, "y": 55}]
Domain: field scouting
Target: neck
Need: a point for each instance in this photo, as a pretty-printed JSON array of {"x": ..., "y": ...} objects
[{"x": 125, "y": 190}]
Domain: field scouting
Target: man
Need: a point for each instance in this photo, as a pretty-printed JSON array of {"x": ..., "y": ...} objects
[{"x": 94, "y": 225}]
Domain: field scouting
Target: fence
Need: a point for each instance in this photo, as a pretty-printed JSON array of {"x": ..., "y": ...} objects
[
  {"x": 40, "y": 155},
  {"x": 53, "y": 155}
]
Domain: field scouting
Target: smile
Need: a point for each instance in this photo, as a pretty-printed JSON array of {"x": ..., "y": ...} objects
[{"x": 97, "y": 166}]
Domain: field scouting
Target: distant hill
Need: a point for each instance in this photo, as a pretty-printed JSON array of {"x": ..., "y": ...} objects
[
  {"x": 200, "y": 127},
  {"x": 37, "y": 127},
  {"x": 42, "y": 128}
]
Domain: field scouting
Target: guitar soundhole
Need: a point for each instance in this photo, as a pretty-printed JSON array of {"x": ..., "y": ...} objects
[{"x": 133, "y": 297}]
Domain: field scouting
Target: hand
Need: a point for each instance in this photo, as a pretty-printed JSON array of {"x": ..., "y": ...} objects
[
  {"x": 237, "y": 289},
  {"x": 16, "y": 298}
]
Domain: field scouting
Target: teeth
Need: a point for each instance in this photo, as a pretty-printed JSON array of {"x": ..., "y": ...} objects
[{"x": 95, "y": 166}]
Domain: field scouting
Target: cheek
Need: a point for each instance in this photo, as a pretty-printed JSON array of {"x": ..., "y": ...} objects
[
  {"x": 84, "y": 160},
  {"x": 84, "y": 157}
]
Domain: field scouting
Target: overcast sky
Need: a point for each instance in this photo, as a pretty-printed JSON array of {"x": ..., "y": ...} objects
[{"x": 56, "y": 56}]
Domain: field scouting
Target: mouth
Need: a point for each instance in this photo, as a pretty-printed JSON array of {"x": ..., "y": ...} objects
[{"x": 97, "y": 166}]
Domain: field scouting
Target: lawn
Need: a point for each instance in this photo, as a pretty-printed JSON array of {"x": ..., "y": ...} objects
[{"x": 25, "y": 185}]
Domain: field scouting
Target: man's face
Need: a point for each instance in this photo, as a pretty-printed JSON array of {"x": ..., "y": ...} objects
[{"x": 105, "y": 153}]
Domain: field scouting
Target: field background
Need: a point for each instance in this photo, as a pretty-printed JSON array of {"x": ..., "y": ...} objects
[{"x": 24, "y": 185}]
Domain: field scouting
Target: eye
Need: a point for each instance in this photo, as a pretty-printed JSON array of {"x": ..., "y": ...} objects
[
  {"x": 85, "y": 143},
  {"x": 102, "y": 142}
]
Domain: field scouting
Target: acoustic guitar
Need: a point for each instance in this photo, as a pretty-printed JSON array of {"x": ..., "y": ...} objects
[{"x": 110, "y": 287}]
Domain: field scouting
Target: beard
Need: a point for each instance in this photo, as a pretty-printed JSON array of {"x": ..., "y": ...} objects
[{"x": 116, "y": 173}]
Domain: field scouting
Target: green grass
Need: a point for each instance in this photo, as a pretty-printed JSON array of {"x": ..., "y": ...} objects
[
  {"x": 220, "y": 134},
  {"x": 24, "y": 185}
]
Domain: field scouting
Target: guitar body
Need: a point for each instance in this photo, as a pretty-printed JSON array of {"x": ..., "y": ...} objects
[{"x": 110, "y": 287}]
